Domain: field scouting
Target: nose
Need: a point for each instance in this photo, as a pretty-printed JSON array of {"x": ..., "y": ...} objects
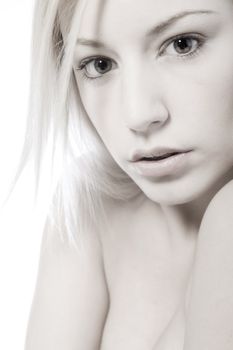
[{"x": 143, "y": 104}]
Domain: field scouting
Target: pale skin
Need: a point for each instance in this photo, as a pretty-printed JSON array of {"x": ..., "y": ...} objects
[{"x": 160, "y": 277}]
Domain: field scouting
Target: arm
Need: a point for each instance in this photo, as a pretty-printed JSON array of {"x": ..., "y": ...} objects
[
  {"x": 210, "y": 312},
  {"x": 70, "y": 301}
]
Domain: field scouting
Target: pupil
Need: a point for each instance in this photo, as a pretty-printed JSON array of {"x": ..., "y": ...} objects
[
  {"x": 183, "y": 45},
  {"x": 102, "y": 66}
]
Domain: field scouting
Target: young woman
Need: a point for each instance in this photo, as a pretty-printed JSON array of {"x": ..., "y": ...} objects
[{"x": 132, "y": 114}]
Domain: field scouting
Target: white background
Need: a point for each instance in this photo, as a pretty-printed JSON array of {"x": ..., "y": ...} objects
[{"x": 19, "y": 241}]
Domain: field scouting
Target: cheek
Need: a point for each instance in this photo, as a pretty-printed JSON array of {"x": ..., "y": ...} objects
[
  {"x": 215, "y": 100},
  {"x": 101, "y": 106},
  {"x": 203, "y": 103},
  {"x": 104, "y": 113},
  {"x": 216, "y": 87},
  {"x": 94, "y": 105}
]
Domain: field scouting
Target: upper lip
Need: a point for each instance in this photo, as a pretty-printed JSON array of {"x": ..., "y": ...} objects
[{"x": 155, "y": 152}]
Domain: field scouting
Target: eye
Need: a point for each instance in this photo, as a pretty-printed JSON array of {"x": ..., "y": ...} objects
[
  {"x": 95, "y": 67},
  {"x": 183, "y": 45}
]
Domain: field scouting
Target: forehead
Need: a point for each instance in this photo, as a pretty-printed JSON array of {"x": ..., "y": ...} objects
[{"x": 103, "y": 18}]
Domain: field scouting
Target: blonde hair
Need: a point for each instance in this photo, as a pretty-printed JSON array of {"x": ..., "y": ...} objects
[{"x": 68, "y": 154}]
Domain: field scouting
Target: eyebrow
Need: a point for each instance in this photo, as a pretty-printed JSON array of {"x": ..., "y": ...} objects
[
  {"x": 157, "y": 30},
  {"x": 161, "y": 27}
]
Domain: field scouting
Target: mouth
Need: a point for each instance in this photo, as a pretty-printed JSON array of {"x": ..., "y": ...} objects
[
  {"x": 156, "y": 154},
  {"x": 161, "y": 162},
  {"x": 155, "y": 158}
]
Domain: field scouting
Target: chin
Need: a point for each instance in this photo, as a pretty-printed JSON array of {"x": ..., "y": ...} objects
[
  {"x": 174, "y": 195},
  {"x": 171, "y": 201},
  {"x": 178, "y": 195}
]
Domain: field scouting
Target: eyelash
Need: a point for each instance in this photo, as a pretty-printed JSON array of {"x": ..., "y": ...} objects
[{"x": 198, "y": 37}]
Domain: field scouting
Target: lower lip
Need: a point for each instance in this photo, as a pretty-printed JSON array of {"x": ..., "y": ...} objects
[{"x": 164, "y": 167}]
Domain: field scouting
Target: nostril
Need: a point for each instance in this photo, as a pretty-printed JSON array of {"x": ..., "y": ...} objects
[{"x": 144, "y": 124}]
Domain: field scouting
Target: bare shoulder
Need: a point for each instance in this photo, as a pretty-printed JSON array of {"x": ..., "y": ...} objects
[
  {"x": 224, "y": 195},
  {"x": 212, "y": 286},
  {"x": 71, "y": 299},
  {"x": 219, "y": 210}
]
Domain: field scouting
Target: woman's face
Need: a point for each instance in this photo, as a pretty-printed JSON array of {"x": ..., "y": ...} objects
[{"x": 159, "y": 74}]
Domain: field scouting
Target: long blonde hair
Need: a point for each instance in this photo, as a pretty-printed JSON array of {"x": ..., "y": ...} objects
[{"x": 69, "y": 157}]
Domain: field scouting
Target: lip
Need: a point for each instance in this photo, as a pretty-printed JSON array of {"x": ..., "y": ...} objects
[
  {"x": 175, "y": 165},
  {"x": 156, "y": 152}
]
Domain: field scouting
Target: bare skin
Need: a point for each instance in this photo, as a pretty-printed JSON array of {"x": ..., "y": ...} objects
[
  {"x": 133, "y": 290},
  {"x": 128, "y": 293},
  {"x": 169, "y": 289},
  {"x": 210, "y": 312},
  {"x": 148, "y": 277}
]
